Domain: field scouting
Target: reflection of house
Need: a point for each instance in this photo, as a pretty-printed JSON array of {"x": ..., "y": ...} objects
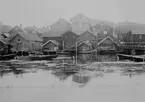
[
  {"x": 84, "y": 47},
  {"x": 81, "y": 78},
  {"x": 107, "y": 44},
  {"x": 86, "y": 58},
  {"x": 51, "y": 46},
  {"x": 69, "y": 39}
]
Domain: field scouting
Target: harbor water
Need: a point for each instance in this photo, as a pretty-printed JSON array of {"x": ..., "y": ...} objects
[{"x": 41, "y": 81}]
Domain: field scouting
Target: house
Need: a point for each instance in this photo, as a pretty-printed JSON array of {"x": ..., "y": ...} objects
[
  {"x": 61, "y": 25},
  {"x": 4, "y": 47},
  {"x": 52, "y": 35},
  {"x": 84, "y": 47},
  {"x": 34, "y": 30},
  {"x": 80, "y": 23},
  {"x": 4, "y": 35},
  {"x": 51, "y": 46},
  {"x": 36, "y": 42},
  {"x": 16, "y": 29},
  {"x": 69, "y": 40},
  {"x": 25, "y": 42},
  {"x": 20, "y": 42},
  {"x": 133, "y": 41},
  {"x": 87, "y": 36},
  {"x": 38, "y": 33},
  {"x": 107, "y": 45}
]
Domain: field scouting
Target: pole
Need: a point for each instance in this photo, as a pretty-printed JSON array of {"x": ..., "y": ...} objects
[{"x": 76, "y": 52}]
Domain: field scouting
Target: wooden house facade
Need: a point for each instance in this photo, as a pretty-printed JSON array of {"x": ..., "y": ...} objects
[
  {"x": 87, "y": 36},
  {"x": 25, "y": 42},
  {"x": 20, "y": 42},
  {"x": 84, "y": 47},
  {"x": 80, "y": 23},
  {"x": 107, "y": 45},
  {"x": 51, "y": 46},
  {"x": 15, "y": 30},
  {"x": 4, "y": 47},
  {"x": 133, "y": 42},
  {"x": 69, "y": 39},
  {"x": 36, "y": 42},
  {"x": 61, "y": 25}
]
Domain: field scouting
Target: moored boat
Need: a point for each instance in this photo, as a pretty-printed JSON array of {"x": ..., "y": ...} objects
[
  {"x": 137, "y": 58},
  {"x": 7, "y": 57},
  {"x": 42, "y": 57}
]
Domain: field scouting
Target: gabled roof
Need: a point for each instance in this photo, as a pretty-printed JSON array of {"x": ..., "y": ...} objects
[
  {"x": 36, "y": 31},
  {"x": 85, "y": 42},
  {"x": 16, "y": 29},
  {"x": 69, "y": 32},
  {"x": 22, "y": 34},
  {"x": 53, "y": 33},
  {"x": 3, "y": 41},
  {"x": 61, "y": 25},
  {"x": 80, "y": 16},
  {"x": 108, "y": 37},
  {"x": 87, "y": 35},
  {"x": 53, "y": 41},
  {"x": 34, "y": 37},
  {"x": 5, "y": 34}
]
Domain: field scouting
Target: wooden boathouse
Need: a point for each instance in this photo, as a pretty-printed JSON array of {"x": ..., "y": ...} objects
[
  {"x": 51, "y": 47},
  {"x": 132, "y": 42}
]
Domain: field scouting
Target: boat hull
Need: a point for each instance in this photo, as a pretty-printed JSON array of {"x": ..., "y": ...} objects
[
  {"x": 44, "y": 57},
  {"x": 7, "y": 57},
  {"x": 130, "y": 57}
]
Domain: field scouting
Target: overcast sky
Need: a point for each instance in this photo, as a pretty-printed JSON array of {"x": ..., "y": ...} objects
[{"x": 45, "y": 12}]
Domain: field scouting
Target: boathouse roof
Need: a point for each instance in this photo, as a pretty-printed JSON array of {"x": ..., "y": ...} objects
[
  {"x": 108, "y": 37},
  {"x": 52, "y": 41}
]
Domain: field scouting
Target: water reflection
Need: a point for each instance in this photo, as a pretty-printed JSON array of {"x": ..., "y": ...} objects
[
  {"x": 81, "y": 79},
  {"x": 36, "y": 82},
  {"x": 61, "y": 75}
]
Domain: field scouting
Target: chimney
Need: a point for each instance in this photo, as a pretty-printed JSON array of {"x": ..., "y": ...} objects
[{"x": 21, "y": 26}]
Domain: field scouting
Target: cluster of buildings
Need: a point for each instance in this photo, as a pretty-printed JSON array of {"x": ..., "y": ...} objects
[{"x": 80, "y": 33}]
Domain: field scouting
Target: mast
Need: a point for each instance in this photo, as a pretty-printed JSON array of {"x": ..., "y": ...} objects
[{"x": 76, "y": 52}]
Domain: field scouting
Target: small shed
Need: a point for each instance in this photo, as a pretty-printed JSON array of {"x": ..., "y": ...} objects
[
  {"x": 107, "y": 43},
  {"x": 84, "y": 46},
  {"x": 51, "y": 45}
]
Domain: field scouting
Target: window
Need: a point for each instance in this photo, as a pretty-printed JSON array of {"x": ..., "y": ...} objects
[
  {"x": 105, "y": 32},
  {"x": 18, "y": 39}
]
